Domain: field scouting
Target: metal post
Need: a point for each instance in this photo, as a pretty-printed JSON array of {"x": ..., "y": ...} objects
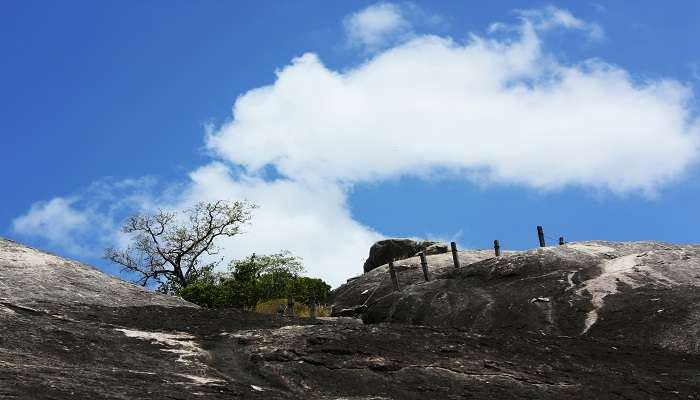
[
  {"x": 540, "y": 234},
  {"x": 561, "y": 240},
  {"x": 424, "y": 265},
  {"x": 394, "y": 278},
  {"x": 497, "y": 248},
  {"x": 290, "y": 305},
  {"x": 455, "y": 256}
]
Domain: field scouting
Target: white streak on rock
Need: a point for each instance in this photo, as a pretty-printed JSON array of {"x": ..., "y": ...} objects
[
  {"x": 622, "y": 269},
  {"x": 180, "y": 343},
  {"x": 201, "y": 380},
  {"x": 570, "y": 280}
]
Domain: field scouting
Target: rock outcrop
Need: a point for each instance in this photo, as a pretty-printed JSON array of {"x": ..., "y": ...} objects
[
  {"x": 102, "y": 338},
  {"x": 352, "y": 298},
  {"x": 31, "y": 277},
  {"x": 643, "y": 292},
  {"x": 387, "y": 250}
]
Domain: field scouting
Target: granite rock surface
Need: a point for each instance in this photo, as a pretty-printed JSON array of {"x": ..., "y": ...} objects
[
  {"x": 69, "y": 332},
  {"x": 637, "y": 292}
]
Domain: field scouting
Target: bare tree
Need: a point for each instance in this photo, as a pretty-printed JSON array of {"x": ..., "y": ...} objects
[{"x": 169, "y": 250}]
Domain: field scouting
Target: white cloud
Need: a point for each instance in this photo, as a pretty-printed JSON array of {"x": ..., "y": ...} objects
[
  {"x": 376, "y": 26},
  {"x": 56, "y": 221},
  {"x": 493, "y": 111},
  {"x": 499, "y": 111},
  {"x": 84, "y": 223},
  {"x": 552, "y": 17}
]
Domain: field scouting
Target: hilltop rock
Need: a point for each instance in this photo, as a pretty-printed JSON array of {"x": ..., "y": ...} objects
[
  {"x": 31, "y": 277},
  {"x": 642, "y": 292},
  {"x": 375, "y": 284},
  {"x": 387, "y": 250}
]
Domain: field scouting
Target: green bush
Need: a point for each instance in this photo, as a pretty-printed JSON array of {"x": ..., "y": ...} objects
[
  {"x": 255, "y": 280},
  {"x": 306, "y": 289},
  {"x": 208, "y": 295}
]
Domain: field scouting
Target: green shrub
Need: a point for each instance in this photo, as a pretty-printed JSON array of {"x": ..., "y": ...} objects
[
  {"x": 208, "y": 295},
  {"x": 305, "y": 289},
  {"x": 255, "y": 280}
]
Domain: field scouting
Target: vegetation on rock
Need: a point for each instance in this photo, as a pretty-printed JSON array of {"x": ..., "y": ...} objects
[
  {"x": 256, "y": 279},
  {"x": 174, "y": 250}
]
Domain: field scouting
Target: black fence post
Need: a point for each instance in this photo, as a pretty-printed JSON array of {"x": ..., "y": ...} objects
[
  {"x": 455, "y": 256},
  {"x": 424, "y": 265},
  {"x": 394, "y": 278},
  {"x": 540, "y": 234},
  {"x": 497, "y": 248},
  {"x": 561, "y": 241}
]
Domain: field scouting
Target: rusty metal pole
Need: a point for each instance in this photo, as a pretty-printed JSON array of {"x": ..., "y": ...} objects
[
  {"x": 455, "y": 256},
  {"x": 394, "y": 278},
  {"x": 424, "y": 265},
  {"x": 540, "y": 235},
  {"x": 497, "y": 248}
]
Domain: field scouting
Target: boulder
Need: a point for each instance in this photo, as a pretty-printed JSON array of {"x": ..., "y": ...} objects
[
  {"x": 437, "y": 248},
  {"x": 387, "y": 250}
]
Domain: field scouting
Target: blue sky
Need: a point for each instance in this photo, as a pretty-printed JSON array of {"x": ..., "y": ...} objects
[{"x": 354, "y": 121}]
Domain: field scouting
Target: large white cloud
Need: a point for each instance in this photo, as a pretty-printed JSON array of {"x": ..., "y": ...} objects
[
  {"x": 503, "y": 108},
  {"x": 495, "y": 109}
]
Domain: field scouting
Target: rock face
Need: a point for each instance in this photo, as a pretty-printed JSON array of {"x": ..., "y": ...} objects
[
  {"x": 371, "y": 286},
  {"x": 31, "y": 277},
  {"x": 644, "y": 292},
  {"x": 387, "y": 250},
  {"x": 106, "y": 339}
]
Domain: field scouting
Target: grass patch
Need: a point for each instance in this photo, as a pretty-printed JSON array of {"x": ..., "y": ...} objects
[{"x": 300, "y": 309}]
